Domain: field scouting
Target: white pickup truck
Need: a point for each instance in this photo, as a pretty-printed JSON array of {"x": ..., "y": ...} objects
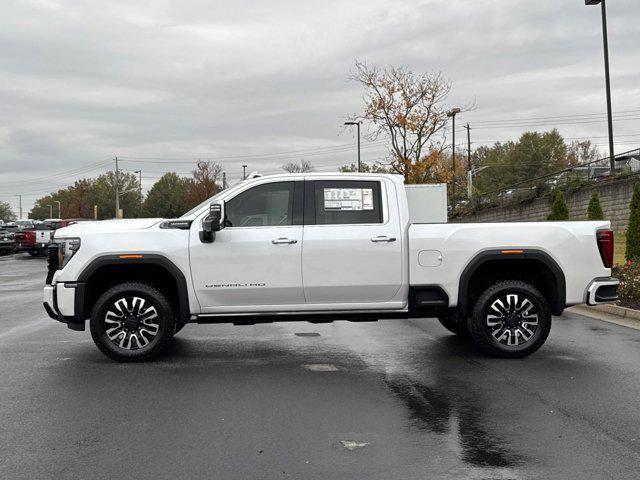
[{"x": 322, "y": 247}]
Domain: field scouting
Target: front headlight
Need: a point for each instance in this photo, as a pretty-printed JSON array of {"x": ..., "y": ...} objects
[{"x": 67, "y": 247}]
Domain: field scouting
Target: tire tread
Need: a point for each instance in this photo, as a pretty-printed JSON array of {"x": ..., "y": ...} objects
[{"x": 477, "y": 327}]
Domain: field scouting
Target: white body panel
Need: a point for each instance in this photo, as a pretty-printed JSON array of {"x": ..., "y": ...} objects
[
  {"x": 329, "y": 267},
  {"x": 571, "y": 244},
  {"x": 244, "y": 269},
  {"x": 346, "y": 264}
]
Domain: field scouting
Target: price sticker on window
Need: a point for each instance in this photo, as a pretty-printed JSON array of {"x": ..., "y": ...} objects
[{"x": 348, "y": 199}]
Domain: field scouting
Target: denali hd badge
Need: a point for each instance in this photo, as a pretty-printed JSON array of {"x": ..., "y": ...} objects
[{"x": 234, "y": 285}]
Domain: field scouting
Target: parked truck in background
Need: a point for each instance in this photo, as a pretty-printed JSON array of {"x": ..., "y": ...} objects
[{"x": 323, "y": 247}]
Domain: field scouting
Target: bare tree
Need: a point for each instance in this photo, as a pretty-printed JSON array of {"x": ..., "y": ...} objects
[
  {"x": 407, "y": 108},
  {"x": 294, "y": 167},
  {"x": 580, "y": 152}
]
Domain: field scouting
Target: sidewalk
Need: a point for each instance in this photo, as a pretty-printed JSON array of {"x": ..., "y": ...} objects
[{"x": 626, "y": 317}]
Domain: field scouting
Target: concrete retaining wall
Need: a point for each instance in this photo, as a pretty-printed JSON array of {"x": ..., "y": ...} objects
[{"x": 615, "y": 197}]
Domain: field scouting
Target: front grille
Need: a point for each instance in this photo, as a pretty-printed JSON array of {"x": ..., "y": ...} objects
[{"x": 52, "y": 262}]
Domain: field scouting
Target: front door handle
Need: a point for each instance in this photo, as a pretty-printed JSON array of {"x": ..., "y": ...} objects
[
  {"x": 284, "y": 241},
  {"x": 383, "y": 238}
]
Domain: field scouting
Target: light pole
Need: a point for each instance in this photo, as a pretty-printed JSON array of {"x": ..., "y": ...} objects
[
  {"x": 452, "y": 114},
  {"x": 470, "y": 174},
  {"x": 244, "y": 172},
  {"x": 50, "y": 211},
  {"x": 357, "y": 124},
  {"x": 59, "y": 208},
  {"x": 607, "y": 77}
]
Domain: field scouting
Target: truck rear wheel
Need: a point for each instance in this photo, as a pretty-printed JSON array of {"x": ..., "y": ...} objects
[
  {"x": 132, "y": 322},
  {"x": 455, "y": 324},
  {"x": 511, "y": 319}
]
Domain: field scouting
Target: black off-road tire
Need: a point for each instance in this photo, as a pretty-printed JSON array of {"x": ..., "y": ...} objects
[
  {"x": 481, "y": 332},
  {"x": 455, "y": 324},
  {"x": 166, "y": 321}
]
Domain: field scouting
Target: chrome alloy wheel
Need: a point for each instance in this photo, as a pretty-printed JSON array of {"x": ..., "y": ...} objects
[
  {"x": 512, "y": 320},
  {"x": 131, "y": 323}
]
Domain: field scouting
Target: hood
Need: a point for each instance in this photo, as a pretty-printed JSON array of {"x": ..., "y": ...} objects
[{"x": 106, "y": 226}]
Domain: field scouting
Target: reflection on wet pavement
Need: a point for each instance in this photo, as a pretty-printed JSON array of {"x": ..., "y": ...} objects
[{"x": 435, "y": 411}]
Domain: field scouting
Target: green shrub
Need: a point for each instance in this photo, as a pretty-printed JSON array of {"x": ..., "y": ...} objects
[
  {"x": 594, "y": 210},
  {"x": 633, "y": 230},
  {"x": 559, "y": 208}
]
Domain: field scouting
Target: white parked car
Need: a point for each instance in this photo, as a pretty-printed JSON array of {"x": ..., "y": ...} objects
[{"x": 323, "y": 247}]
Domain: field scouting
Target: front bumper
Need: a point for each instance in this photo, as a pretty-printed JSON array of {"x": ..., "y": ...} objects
[
  {"x": 602, "y": 290},
  {"x": 63, "y": 302}
]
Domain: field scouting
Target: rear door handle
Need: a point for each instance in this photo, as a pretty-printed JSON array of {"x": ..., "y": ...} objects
[
  {"x": 383, "y": 238},
  {"x": 284, "y": 241}
]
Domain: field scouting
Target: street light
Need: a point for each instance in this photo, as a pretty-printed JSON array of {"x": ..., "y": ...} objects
[
  {"x": 607, "y": 77},
  {"x": 59, "y": 208},
  {"x": 244, "y": 172},
  {"x": 50, "y": 211},
  {"x": 452, "y": 114},
  {"x": 357, "y": 124},
  {"x": 470, "y": 174}
]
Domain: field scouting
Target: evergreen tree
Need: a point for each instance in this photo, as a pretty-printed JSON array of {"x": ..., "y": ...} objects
[
  {"x": 633, "y": 230},
  {"x": 594, "y": 210},
  {"x": 559, "y": 208}
]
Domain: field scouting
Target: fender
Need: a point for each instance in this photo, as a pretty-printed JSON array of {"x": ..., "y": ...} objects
[
  {"x": 137, "y": 259},
  {"x": 514, "y": 254}
]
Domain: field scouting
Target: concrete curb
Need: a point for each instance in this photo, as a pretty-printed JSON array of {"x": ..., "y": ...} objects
[
  {"x": 617, "y": 310},
  {"x": 627, "y": 317}
]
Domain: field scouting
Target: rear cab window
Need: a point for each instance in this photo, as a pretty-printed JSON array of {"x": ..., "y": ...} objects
[{"x": 343, "y": 202}]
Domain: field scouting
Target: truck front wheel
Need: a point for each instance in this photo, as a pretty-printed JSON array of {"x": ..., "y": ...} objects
[
  {"x": 511, "y": 319},
  {"x": 132, "y": 322}
]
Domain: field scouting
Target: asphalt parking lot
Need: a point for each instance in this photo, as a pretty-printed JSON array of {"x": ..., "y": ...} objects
[{"x": 386, "y": 400}]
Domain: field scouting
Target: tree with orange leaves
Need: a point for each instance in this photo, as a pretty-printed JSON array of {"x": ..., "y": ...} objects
[
  {"x": 409, "y": 110},
  {"x": 204, "y": 183}
]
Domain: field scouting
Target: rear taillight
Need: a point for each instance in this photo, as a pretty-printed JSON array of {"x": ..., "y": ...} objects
[{"x": 605, "y": 245}]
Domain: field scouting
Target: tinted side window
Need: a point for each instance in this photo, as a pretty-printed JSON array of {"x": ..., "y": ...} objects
[
  {"x": 266, "y": 205},
  {"x": 347, "y": 201}
]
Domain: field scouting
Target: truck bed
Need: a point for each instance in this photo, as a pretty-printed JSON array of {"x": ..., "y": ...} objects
[{"x": 438, "y": 253}]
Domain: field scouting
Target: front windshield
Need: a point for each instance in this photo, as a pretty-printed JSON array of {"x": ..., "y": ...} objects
[{"x": 195, "y": 209}]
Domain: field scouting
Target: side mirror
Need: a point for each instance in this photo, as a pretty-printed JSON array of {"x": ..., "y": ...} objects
[{"x": 211, "y": 224}]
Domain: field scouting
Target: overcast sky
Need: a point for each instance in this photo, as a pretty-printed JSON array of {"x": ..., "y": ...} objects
[{"x": 83, "y": 81}]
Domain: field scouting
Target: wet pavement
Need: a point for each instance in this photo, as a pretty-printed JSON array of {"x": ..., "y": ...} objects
[{"x": 386, "y": 400}]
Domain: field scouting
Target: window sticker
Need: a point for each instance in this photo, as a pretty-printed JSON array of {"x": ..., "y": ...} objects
[{"x": 348, "y": 199}]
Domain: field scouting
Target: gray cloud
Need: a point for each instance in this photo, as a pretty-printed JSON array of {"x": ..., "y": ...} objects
[{"x": 83, "y": 81}]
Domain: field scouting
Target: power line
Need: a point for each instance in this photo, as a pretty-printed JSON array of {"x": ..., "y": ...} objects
[
  {"x": 62, "y": 174},
  {"x": 622, "y": 113}
]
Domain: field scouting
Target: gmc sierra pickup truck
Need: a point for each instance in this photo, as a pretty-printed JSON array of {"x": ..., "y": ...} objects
[{"x": 318, "y": 248}]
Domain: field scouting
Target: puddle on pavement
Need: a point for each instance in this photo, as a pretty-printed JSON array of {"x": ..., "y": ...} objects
[{"x": 459, "y": 422}]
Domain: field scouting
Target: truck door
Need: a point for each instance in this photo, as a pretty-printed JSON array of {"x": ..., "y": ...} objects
[
  {"x": 256, "y": 259},
  {"x": 352, "y": 244}
]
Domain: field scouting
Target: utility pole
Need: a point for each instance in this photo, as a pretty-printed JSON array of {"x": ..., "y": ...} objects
[
  {"x": 468, "y": 147},
  {"x": 244, "y": 172},
  {"x": 20, "y": 199},
  {"x": 117, "y": 191},
  {"x": 452, "y": 114},
  {"x": 139, "y": 172},
  {"x": 612, "y": 160}
]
